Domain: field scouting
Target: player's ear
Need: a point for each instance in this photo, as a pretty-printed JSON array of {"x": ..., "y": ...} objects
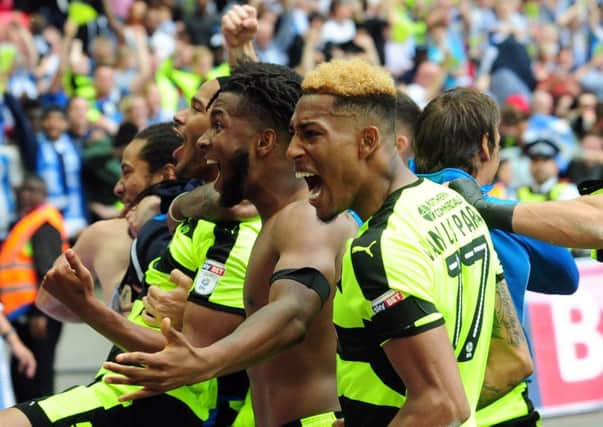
[
  {"x": 168, "y": 171},
  {"x": 370, "y": 139},
  {"x": 266, "y": 142},
  {"x": 485, "y": 152}
]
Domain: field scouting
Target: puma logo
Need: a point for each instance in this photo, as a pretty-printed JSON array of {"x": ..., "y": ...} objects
[{"x": 365, "y": 249}]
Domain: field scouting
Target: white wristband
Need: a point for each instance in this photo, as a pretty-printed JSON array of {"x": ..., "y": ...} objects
[{"x": 170, "y": 212}]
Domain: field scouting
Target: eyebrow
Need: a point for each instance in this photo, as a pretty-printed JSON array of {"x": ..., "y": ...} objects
[
  {"x": 195, "y": 100},
  {"x": 216, "y": 112},
  {"x": 303, "y": 124}
]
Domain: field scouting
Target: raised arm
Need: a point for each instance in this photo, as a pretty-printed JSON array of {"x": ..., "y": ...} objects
[
  {"x": 71, "y": 283},
  {"x": 576, "y": 223},
  {"x": 70, "y": 30},
  {"x": 143, "y": 57},
  {"x": 239, "y": 27}
]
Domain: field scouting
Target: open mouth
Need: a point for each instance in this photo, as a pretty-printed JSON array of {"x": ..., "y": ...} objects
[
  {"x": 218, "y": 181},
  {"x": 178, "y": 130},
  {"x": 314, "y": 182}
]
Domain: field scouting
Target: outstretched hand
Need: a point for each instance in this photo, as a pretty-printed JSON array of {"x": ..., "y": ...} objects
[
  {"x": 70, "y": 282},
  {"x": 178, "y": 364}
]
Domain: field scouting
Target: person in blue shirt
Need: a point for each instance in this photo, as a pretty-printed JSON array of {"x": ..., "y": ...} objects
[{"x": 456, "y": 136}]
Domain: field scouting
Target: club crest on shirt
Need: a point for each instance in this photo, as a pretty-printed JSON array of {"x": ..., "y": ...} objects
[
  {"x": 386, "y": 300},
  {"x": 208, "y": 276}
]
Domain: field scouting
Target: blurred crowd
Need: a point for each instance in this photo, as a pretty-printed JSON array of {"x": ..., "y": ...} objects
[{"x": 84, "y": 77}]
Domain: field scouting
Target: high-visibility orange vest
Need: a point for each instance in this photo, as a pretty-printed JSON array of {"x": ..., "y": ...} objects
[{"x": 18, "y": 277}]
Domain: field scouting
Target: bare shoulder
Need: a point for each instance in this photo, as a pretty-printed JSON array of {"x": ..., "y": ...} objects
[
  {"x": 114, "y": 226},
  {"x": 298, "y": 221},
  {"x": 101, "y": 233}
]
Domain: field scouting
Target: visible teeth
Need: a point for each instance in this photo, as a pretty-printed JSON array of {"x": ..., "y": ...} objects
[
  {"x": 303, "y": 174},
  {"x": 211, "y": 162},
  {"x": 315, "y": 193}
]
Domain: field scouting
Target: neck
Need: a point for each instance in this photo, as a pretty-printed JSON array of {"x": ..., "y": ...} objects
[
  {"x": 272, "y": 193},
  {"x": 79, "y": 130},
  {"x": 26, "y": 210},
  {"x": 481, "y": 178},
  {"x": 379, "y": 186}
]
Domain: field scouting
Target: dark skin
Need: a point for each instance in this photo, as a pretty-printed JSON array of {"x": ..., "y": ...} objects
[
  {"x": 287, "y": 325},
  {"x": 329, "y": 143}
]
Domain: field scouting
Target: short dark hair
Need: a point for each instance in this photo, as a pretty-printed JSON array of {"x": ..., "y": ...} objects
[
  {"x": 31, "y": 177},
  {"x": 52, "y": 109},
  {"x": 125, "y": 133},
  {"x": 450, "y": 129},
  {"x": 268, "y": 92},
  {"x": 407, "y": 113},
  {"x": 160, "y": 142}
]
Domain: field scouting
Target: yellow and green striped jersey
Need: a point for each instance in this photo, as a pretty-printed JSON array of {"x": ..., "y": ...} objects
[{"x": 423, "y": 260}]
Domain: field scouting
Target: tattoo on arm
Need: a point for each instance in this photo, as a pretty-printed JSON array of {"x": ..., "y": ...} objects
[
  {"x": 507, "y": 333},
  {"x": 201, "y": 203},
  {"x": 506, "y": 325},
  {"x": 488, "y": 395}
]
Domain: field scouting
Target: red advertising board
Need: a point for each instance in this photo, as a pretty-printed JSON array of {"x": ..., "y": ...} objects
[{"x": 567, "y": 341}]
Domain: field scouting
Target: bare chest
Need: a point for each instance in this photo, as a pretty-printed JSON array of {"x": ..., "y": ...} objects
[{"x": 259, "y": 271}]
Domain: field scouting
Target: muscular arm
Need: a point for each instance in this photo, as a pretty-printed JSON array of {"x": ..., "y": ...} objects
[
  {"x": 509, "y": 360},
  {"x": 576, "y": 223},
  {"x": 202, "y": 202},
  {"x": 292, "y": 306},
  {"x": 275, "y": 327},
  {"x": 118, "y": 329},
  {"x": 427, "y": 366},
  {"x": 271, "y": 330}
]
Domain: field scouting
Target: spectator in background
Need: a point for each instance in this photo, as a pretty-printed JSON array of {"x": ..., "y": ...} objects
[
  {"x": 542, "y": 121},
  {"x": 427, "y": 83},
  {"x": 546, "y": 185},
  {"x": 587, "y": 165},
  {"x": 27, "y": 254},
  {"x": 502, "y": 187},
  {"x": 445, "y": 46},
  {"x": 26, "y": 360},
  {"x": 268, "y": 48},
  {"x": 157, "y": 113},
  {"x": 53, "y": 155},
  {"x": 584, "y": 118},
  {"x": 202, "y": 24},
  {"x": 79, "y": 127},
  {"x": 134, "y": 109},
  {"x": 340, "y": 26},
  {"x": 514, "y": 116},
  {"x": 107, "y": 95}
]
